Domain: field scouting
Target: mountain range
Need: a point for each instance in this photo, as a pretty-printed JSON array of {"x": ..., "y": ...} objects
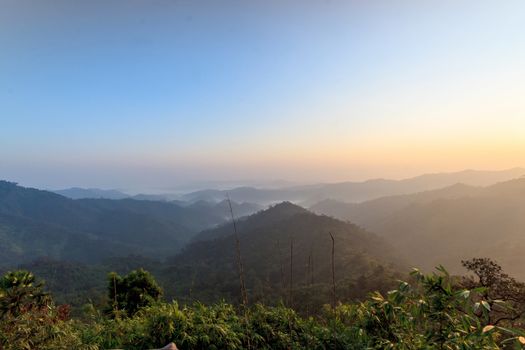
[
  {"x": 35, "y": 223},
  {"x": 447, "y": 225},
  {"x": 83, "y": 193},
  {"x": 285, "y": 250},
  {"x": 356, "y": 191},
  {"x": 189, "y": 244},
  {"x": 307, "y": 195}
]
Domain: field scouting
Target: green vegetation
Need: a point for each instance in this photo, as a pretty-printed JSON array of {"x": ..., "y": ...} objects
[
  {"x": 132, "y": 292},
  {"x": 20, "y": 293},
  {"x": 28, "y": 318},
  {"x": 428, "y": 312}
]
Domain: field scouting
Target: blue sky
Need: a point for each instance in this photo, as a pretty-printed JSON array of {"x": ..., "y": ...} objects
[{"x": 154, "y": 94}]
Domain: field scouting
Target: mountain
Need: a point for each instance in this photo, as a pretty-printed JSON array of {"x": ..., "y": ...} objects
[
  {"x": 370, "y": 212},
  {"x": 206, "y": 269},
  {"x": 96, "y": 193},
  {"x": 80, "y": 193},
  {"x": 150, "y": 197},
  {"x": 263, "y": 219},
  {"x": 36, "y": 223},
  {"x": 356, "y": 191},
  {"x": 446, "y": 226}
]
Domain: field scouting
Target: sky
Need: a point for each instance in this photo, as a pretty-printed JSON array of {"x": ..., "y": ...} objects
[{"x": 156, "y": 94}]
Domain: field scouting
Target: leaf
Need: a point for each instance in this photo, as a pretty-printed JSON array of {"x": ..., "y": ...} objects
[
  {"x": 485, "y": 305},
  {"x": 476, "y": 306},
  {"x": 487, "y": 328},
  {"x": 465, "y": 294}
]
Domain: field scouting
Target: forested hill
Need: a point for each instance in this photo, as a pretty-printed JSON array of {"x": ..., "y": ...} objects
[
  {"x": 206, "y": 269},
  {"x": 370, "y": 212},
  {"x": 263, "y": 219},
  {"x": 35, "y": 223},
  {"x": 445, "y": 226}
]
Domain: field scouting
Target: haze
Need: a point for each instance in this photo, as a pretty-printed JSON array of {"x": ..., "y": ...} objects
[{"x": 154, "y": 94}]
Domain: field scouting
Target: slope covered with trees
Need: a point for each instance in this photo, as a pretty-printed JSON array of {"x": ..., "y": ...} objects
[
  {"x": 286, "y": 254},
  {"x": 35, "y": 223},
  {"x": 442, "y": 227}
]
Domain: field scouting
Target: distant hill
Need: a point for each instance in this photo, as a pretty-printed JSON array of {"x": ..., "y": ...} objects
[
  {"x": 97, "y": 193},
  {"x": 206, "y": 269},
  {"x": 370, "y": 212},
  {"x": 36, "y": 223},
  {"x": 356, "y": 191},
  {"x": 222, "y": 209},
  {"x": 151, "y": 197},
  {"x": 445, "y": 226},
  {"x": 81, "y": 193}
]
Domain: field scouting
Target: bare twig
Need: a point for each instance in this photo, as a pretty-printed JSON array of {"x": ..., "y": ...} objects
[
  {"x": 308, "y": 270},
  {"x": 240, "y": 268},
  {"x": 291, "y": 273},
  {"x": 333, "y": 270},
  {"x": 281, "y": 264},
  {"x": 115, "y": 304}
]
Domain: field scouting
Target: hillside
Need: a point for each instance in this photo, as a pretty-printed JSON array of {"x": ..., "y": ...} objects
[
  {"x": 35, "y": 223},
  {"x": 206, "y": 269},
  {"x": 443, "y": 227},
  {"x": 370, "y": 212}
]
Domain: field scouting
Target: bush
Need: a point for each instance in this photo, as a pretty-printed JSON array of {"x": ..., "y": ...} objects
[{"x": 431, "y": 313}]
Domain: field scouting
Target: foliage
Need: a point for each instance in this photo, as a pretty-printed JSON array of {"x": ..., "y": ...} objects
[
  {"x": 134, "y": 291},
  {"x": 29, "y": 319},
  {"x": 19, "y": 293},
  {"x": 503, "y": 293},
  {"x": 429, "y": 313},
  {"x": 43, "y": 329}
]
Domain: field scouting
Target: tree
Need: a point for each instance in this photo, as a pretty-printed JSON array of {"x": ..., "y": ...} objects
[
  {"x": 505, "y": 296},
  {"x": 20, "y": 292},
  {"x": 134, "y": 291},
  {"x": 29, "y": 318}
]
